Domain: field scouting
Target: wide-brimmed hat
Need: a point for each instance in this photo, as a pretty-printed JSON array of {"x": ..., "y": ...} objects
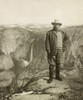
[{"x": 56, "y": 22}]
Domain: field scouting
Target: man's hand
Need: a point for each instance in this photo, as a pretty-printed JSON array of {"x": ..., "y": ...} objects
[
  {"x": 48, "y": 52},
  {"x": 64, "y": 48},
  {"x": 54, "y": 57}
]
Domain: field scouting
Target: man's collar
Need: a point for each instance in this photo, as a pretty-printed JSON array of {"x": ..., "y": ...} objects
[{"x": 55, "y": 30}]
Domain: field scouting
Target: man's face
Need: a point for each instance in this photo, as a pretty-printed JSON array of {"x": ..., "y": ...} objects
[{"x": 57, "y": 26}]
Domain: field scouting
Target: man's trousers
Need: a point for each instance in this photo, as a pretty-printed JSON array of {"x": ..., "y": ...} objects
[{"x": 55, "y": 61}]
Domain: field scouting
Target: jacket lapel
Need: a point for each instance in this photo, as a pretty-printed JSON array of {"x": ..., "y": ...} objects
[{"x": 54, "y": 32}]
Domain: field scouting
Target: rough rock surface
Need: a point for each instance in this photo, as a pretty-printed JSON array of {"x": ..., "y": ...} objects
[
  {"x": 35, "y": 97},
  {"x": 43, "y": 90}
]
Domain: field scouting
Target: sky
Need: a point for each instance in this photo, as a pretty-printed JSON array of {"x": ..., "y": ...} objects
[{"x": 69, "y": 12}]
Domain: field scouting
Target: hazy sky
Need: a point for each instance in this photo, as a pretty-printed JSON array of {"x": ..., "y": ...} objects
[{"x": 69, "y": 12}]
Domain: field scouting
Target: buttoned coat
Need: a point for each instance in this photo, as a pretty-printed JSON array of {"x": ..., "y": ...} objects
[{"x": 51, "y": 41}]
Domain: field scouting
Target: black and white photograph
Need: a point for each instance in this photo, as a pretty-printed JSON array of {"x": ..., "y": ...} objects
[{"x": 41, "y": 49}]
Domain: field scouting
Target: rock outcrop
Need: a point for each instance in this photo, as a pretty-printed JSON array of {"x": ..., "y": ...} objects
[{"x": 20, "y": 65}]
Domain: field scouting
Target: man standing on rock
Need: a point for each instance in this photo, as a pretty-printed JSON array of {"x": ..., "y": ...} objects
[{"x": 55, "y": 44}]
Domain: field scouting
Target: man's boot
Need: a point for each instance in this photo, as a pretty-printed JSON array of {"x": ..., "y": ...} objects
[
  {"x": 58, "y": 73},
  {"x": 50, "y": 74}
]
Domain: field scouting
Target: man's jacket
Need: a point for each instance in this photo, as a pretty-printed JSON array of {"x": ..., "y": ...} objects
[{"x": 51, "y": 41}]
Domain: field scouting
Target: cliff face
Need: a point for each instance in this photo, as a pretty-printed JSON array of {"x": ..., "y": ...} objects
[
  {"x": 22, "y": 54},
  {"x": 15, "y": 44},
  {"x": 75, "y": 48}
]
